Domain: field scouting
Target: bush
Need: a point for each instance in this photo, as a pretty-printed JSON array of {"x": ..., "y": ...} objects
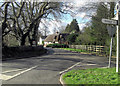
[
  {"x": 22, "y": 52},
  {"x": 57, "y": 45}
]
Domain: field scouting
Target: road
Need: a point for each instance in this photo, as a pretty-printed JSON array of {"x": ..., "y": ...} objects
[{"x": 46, "y": 69}]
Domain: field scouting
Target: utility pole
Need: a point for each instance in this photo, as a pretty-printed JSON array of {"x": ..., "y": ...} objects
[{"x": 117, "y": 52}]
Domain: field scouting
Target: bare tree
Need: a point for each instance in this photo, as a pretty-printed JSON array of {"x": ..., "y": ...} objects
[
  {"x": 4, "y": 23},
  {"x": 25, "y": 17}
]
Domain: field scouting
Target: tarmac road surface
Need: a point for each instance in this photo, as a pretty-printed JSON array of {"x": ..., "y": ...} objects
[{"x": 46, "y": 69}]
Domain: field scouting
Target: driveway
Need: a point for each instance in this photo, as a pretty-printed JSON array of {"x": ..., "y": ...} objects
[{"x": 46, "y": 69}]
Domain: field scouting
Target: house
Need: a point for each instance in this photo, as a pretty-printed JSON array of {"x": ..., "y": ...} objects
[
  {"x": 56, "y": 38},
  {"x": 41, "y": 39}
]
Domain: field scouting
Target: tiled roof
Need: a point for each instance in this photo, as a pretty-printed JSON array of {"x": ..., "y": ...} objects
[
  {"x": 55, "y": 37},
  {"x": 50, "y": 38}
]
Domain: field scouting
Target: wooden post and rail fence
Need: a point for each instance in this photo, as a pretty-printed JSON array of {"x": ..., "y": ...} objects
[{"x": 91, "y": 48}]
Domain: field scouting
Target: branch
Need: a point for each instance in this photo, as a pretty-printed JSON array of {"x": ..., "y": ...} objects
[
  {"x": 14, "y": 10},
  {"x": 2, "y": 5},
  {"x": 28, "y": 12},
  {"x": 5, "y": 33},
  {"x": 23, "y": 18},
  {"x": 20, "y": 9},
  {"x": 42, "y": 12},
  {"x": 4, "y": 24},
  {"x": 17, "y": 4}
]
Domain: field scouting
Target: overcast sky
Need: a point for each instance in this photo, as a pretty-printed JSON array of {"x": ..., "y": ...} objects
[{"x": 81, "y": 18}]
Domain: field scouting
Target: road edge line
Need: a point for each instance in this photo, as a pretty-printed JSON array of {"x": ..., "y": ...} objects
[
  {"x": 62, "y": 81},
  {"x": 69, "y": 68}
]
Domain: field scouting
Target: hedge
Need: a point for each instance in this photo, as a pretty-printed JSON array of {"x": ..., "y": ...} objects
[
  {"x": 58, "y": 45},
  {"x": 22, "y": 52}
]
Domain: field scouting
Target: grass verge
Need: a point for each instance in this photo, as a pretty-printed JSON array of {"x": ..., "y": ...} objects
[
  {"x": 80, "y": 51},
  {"x": 85, "y": 52},
  {"x": 91, "y": 76},
  {"x": 72, "y": 49}
]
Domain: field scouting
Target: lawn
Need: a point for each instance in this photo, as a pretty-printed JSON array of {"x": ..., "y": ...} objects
[
  {"x": 71, "y": 49},
  {"x": 91, "y": 76},
  {"x": 84, "y": 51},
  {"x": 80, "y": 51}
]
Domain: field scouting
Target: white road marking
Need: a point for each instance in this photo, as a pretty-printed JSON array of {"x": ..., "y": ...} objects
[
  {"x": 13, "y": 70},
  {"x": 69, "y": 68},
  {"x": 86, "y": 64},
  {"x": 74, "y": 66},
  {"x": 6, "y": 77},
  {"x": 91, "y": 64}
]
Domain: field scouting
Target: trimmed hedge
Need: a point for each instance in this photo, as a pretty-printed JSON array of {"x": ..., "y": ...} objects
[
  {"x": 58, "y": 45},
  {"x": 22, "y": 52}
]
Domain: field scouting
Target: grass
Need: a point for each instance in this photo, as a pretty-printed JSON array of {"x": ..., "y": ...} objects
[
  {"x": 71, "y": 49},
  {"x": 81, "y": 51},
  {"x": 91, "y": 76},
  {"x": 86, "y": 52}
]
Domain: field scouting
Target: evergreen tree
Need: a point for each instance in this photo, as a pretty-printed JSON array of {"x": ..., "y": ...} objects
[
  {"x": 99, "y": 32},
  {"x": 67, "y": 28},
  {"x": 85, "y": 37},
  {"x": 73, "y": 27},
  {"x": 71, "y": 38}
]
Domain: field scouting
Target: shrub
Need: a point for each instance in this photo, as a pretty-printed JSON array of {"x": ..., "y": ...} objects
[
  {"x": 57, "y": 45},
  {"x": 22, "y": 52}
]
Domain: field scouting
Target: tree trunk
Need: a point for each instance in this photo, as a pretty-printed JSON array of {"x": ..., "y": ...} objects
[
  {"x": 30, "y": 40},
  {"x": 24, "y": 36},
  {"x": 35, "y": 34},
  {"x": 23, "y": 40}
]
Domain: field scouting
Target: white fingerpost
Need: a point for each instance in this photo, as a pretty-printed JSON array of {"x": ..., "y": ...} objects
[{"x": 117, "y": 52}]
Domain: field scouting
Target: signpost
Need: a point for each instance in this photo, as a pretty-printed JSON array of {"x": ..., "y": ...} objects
[
  {"x": 115, "y": 22},
  {"x": 108, "y": 21},
  {"x": 111, "y": 31},
  {"x": 117, "y": 52}
]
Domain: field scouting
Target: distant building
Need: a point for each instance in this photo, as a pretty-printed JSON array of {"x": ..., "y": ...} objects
[
  {"x": 56, "y": 38},
  {"x": 41, "y": 39}
]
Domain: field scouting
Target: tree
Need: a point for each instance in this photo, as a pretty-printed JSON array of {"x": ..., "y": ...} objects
[
  {"x": 85, "y": 37},
  {"x": 99, "y": 31},
  {"x": 73, "y": 27},
  {"x": 71, "y": 38},
  {"x": 4, "y": 23},
  {"x": 67, "y": 28},
  {"x": 24, "y": 18}
]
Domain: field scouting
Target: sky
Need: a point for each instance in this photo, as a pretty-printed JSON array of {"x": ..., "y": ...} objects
[{"x": 81, "y": 18}]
